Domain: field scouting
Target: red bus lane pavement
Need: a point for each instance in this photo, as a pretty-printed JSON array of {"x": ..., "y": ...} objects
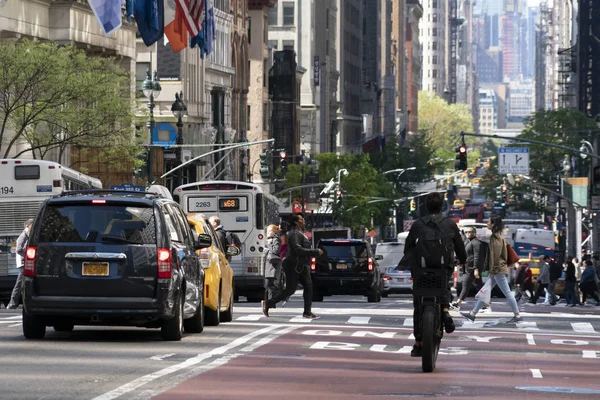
[{"x": 340, "y": 362}]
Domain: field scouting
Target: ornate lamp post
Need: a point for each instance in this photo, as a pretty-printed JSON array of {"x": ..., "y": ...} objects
[
  {"x": 151, "y": 89},
  {"x": 179, "y": 109}
]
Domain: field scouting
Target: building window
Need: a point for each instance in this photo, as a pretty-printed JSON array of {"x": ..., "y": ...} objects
[
  {"x": 273, "y": 16},
  {"x": 327, "y": 18},
  {"x": 288, "y": 13},
  {"x": 434, "y": 73},
  {"x": 434, "y": 46},
  {"x": 265, "y": 71},
  {"x": 435, "y": 17},
  {"x": 265, "y": 117},
  {"x": 249, "y": 30},
  {"x": 288, "y": 44},
  {"x": 434, "y": 31},
  {"x": 434, "y": 60}
]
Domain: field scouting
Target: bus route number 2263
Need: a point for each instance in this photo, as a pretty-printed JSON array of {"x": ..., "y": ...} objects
[{"x": 6, "y": 190}]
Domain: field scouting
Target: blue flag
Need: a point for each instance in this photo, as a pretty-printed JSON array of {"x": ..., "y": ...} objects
[
  {"x": 150, "y": 18},
  {"x": 108, "y": 14}
]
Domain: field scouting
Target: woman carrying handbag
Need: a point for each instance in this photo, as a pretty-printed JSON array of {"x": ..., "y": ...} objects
[{"x": 498, "y": 257}]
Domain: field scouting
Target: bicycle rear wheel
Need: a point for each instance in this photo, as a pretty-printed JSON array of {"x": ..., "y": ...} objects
[{"x": 429, "y": 336}]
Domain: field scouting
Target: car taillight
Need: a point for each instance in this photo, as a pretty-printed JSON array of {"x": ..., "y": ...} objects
[
  {"x": 165, "y": 266},
  {"x": 29, "y": 265},
  {"x": 387, "y": 278},
  {"x": 205, "y": 257},
  {"x": 370, "y": 264},
  {"x": 313, "y": 263}
]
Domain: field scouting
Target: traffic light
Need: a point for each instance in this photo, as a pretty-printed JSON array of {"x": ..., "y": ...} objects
[
  {"x": 504, "y": 195},
  {"x": 461, "y": 156},
  {"x": 283, "y": 164},
  {"x": 412, "y": 207},
  {"x": 339, "y": 197},
  {"x": 265, "y": 164}
]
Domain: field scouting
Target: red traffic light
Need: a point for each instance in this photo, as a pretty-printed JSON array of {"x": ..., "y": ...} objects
[
  {"x": 282, "y": 154},
  {"x": 462, "y": 149}
]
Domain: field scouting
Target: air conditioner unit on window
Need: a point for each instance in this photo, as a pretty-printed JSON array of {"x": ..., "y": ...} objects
[{"x": 186, "y": 155}]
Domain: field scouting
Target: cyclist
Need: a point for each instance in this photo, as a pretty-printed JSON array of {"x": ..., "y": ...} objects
[{"x": 434, "y": 203}]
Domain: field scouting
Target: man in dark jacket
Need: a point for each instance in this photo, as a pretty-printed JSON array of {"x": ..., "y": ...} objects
[
  {"x": 476, "y": 254},
  {"x": 555, "y": 274},
  {"x": 434, "y": 203},
  {"x": 296, "y": 267},
  {"x": 221, "y": 234}
]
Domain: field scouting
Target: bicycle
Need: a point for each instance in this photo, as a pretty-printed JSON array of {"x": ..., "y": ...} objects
[{"x": 431, "y": 285}]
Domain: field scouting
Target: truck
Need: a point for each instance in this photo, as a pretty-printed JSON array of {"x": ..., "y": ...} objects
[{"x": 329, "y": 233}]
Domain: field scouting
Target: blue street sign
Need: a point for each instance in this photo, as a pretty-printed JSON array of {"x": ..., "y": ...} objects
[{"x": 128, "y": 186}]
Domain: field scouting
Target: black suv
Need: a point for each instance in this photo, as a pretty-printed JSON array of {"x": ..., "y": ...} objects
[
  {"x": 347, "y": 266},
  {"x": 101, "y": 257}
]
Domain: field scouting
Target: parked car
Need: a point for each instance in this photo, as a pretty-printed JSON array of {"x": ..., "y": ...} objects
[
  {"x": 218, "y": 275},
  {"x": 394, "y": 280},
  {"x": 101, "y": 257},
  {"x": 347, "y": 266}
]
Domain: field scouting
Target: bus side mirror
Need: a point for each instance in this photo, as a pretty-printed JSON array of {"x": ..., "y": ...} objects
[{"x": 233, "y": 251}]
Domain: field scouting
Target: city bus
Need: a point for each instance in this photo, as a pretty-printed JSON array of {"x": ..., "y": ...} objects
[
  {"x": 534, "y": 243},
  {"x": 24, "y": 186},
  {"x": 244, "y": 208}
]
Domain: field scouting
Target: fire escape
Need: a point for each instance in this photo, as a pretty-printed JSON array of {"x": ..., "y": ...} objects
[
  {"x": 567, "y": 65},
  {"x": 589, "y": 57},
  {"x": 455, "y": 22}
]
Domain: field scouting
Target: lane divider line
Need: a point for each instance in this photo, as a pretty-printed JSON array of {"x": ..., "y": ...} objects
[
  {"x": 530, "y": 339},
  {"x": 536, "y": 373},
  {"x": 161, "y": 357},
  {"x": 584, "y": 327},
  {"x": 136, "y": 383},
  {"x": 359, "y": 320}
]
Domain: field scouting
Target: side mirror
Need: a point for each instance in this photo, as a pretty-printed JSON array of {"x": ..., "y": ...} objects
[
  {"x": 203, "y": 241},
  {"x": 233, "y": 251},
  {"x": 379, "y": 257}
]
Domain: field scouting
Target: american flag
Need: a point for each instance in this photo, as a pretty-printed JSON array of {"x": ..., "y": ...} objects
[{"x": 192, "y": 15}]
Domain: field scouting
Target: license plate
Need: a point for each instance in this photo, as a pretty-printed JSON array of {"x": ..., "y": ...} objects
[
  {"x": 342, "y": 266},
  {"x": 400, "y": 279},
  {"x": 95, "y": 269}
]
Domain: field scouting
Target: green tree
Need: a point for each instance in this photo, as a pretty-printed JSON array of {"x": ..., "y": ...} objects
[
  {"x": 562, "y": 127},
  {"x": 53, "y": 97},
  {"x": 440, "y": 123}
]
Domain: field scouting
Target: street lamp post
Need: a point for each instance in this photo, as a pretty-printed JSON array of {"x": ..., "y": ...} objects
[
  {"x": 179, "y": 109},
  {"x": 151, "y": 89},
  {"x": 302, "y": 164}
]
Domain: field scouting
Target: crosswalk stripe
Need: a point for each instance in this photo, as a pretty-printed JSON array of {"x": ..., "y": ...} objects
[
  {"x": 408, "y": 322},
  {"x": 250, "y": 317},
  {"x": 300, "y": 318},
  {"x": 584, "y": 327},
  {"x": 359, "y": 320},
  {"x": 527, "y": 326}
]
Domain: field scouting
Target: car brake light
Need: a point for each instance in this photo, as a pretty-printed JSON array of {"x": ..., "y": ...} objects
[
  {"x": 387, "y": 278},
  {"x": 370, "y": 264},
  {"x": 205, "y": 257},
  {"x": 341, "y": 241},
  {"x": 313, "y": 263},
  {"x": 165, "y": 267},
  {"x": 98, "y": 201},
  {"x": 29, "y": 265}
]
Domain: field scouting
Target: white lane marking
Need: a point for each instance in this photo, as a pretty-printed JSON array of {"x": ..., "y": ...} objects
[
  {"x": 161, "y": 357},
  {"x": 584, "y": 327},
  {"x": 590, "y": 354},
  {"x": 536, "y": 373},
  {"x": 13, "y": 317},
  {"x": 250, "y": 317},
  {"x": 530, "y": 339},
  {"x": 267, "y": 339},
  {"x": 527, "y": 326},
  {"x": 188, "y": 374},
  {"x": 7, "y": 322},
  {"x": 15, "y": 325},
  {"x": 128, "y": 387},
  {"x": 300, "y": 318},
  {"x": 359, "y": 320},
  {"x": 408, "y": 322}
]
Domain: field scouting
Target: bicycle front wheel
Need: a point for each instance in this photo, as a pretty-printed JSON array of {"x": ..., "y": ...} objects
[{"x": 429, "y": 337}]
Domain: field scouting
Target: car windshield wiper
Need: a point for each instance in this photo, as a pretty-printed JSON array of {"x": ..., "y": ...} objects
[{"x": 118, "y": 239}]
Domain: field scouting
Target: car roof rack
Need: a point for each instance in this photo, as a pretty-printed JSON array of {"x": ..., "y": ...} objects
[{"x": 101, "y": 192}]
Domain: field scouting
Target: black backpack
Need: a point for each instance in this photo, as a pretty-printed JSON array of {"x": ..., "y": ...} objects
[
  {"x": 433, "y": 246},
  {"x": 233, "y": 239}
]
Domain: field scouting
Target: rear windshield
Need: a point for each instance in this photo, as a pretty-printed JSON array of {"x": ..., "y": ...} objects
[
  {"x": 344, "y": 250},
  {"x": 105, "y": 224},
  {"x": 391, "y": 253}
]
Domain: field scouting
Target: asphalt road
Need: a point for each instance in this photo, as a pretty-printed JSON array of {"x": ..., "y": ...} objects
[{"x": 357, "y": 350}]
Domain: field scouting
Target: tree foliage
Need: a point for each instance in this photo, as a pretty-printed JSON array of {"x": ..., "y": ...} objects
[
  {"x": 441, "y": 123},
  {"x": 53, "y": 97},
  {"x": 562, "y": 127}
]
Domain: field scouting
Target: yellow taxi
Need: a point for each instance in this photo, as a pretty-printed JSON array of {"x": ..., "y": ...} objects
[
  {"x": 459, "y": 203},
  {"x": 476, "y": 181},
  {"x": 218, "y": 275},
  {"x": 534, "y": 266}
]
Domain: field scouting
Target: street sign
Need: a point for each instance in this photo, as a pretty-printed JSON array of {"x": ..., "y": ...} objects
[
  {"x": 513, "y": 160},
  {"x": 596, "y": 203},
  {"x": 128, "y": 186}
]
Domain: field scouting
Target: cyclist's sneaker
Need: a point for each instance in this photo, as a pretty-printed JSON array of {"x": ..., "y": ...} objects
[
  {"x": 514, "y": 320},
  {"x": 448, "y": 323},
  {"x": 454, "y": 306},
  {"x": 468, "y": 316},
  {"x": 416, "y": 351}
]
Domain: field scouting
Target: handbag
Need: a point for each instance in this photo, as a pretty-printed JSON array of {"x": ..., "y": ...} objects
[
  {"x": 485, "y": 293},
  {"x": 512, "y": 256}
]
